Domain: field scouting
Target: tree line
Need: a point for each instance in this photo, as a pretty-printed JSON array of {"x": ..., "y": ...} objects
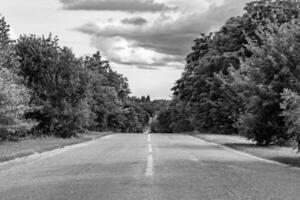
[
  {"x": 46, "y": 90},
  {"x": 242, "y": 79}
]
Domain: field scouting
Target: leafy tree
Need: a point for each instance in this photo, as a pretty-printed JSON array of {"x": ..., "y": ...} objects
[
  {"x": 291, "y": 113},
  {"x": 117, "y": 122},
  {"x": 103, "y": 91},
  {"x": 109, "y": 101},
  {"x": 14, "y": 96},
  {"x": 71, "y": 94},
  {"x": 58, "y": 82},
  {"x": 4, "y": 33},
  {"x": 140, "y": 107},
  {"x": 273, "y": 67},
  {"x": 211, "y": 104}
]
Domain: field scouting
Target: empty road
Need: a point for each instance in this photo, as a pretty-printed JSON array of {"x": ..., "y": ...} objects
[{"x": 147, "y": 167}]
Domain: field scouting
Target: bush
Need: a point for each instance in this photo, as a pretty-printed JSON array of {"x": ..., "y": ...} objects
[
  {"x": 291, "y": 114},
  {"x": 257, "y": 128},
  {"x": 15, "y": 133}
]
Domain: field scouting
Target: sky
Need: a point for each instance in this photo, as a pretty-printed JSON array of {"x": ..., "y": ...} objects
[{"x": 146, "y": 40}]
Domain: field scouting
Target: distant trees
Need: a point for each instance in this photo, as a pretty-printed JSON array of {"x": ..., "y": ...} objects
[
  {"x": 172, "y": 118},
  {"x": 234, "y": 78},
  {"x": 109, "y": 101}
]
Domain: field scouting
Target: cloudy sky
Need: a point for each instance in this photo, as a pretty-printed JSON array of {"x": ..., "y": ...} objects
[{"x": 146, "y": 40}]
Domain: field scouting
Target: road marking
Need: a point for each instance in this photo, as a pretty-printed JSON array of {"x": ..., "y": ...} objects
[
  {"x": 149, "y": 169},
  {"x": 150, "y": 148}
]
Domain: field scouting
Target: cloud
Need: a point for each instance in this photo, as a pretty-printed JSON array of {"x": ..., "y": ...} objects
[
  {"x": 116, "y": 5},
  {"x": 166, "y": 38},
  {"x": 122, "y": 51},
  {"x": 137, "y": 21}
]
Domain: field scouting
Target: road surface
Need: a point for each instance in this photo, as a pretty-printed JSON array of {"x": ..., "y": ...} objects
[{"x": 147, "y": 167}]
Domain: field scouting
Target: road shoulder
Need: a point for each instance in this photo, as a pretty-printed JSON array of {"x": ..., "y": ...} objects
[
  {"x": 27, "y": 147},
  {"x": 284, "y": 155}
]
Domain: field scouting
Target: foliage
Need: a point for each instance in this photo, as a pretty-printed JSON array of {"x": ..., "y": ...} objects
[
  {"x": 291, "y": 113},
  {"x": 104, "y": 91},
  {"x": 109, "y": 101},
  {"x": 172, "y": 119},
  {"x": 212, "y": 104},
  {"x": 14, "y": 96},
  {"x": 234, "y": 77},
  {"x": 272, "y": 68},
  {"x": 58, "y": 82},
  {"x": 69, "y": 94},
  {"x": 162, "y": 123}
]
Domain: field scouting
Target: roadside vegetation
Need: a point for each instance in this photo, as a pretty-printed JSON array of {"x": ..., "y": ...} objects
[
  {"x": 45, "y": 90},
  {"x": 10, "y": 150},
  {"x": 243, "y": 79}
]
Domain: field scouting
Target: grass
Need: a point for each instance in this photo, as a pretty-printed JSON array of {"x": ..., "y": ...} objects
[
  {"x": 285, "y": 155},
  {"x": 29, "y": 146}
]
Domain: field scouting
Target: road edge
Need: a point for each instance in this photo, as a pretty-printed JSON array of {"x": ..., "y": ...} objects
[
  {"x": 246, "y": 154},
  {"x": 27, "y": 154}
]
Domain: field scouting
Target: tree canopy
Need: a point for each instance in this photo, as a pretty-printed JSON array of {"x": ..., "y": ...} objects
[{"x": 234, "y": 78}]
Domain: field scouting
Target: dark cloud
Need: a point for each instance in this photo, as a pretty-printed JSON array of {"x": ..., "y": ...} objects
[
  {"x": 116, "y": 5},
  {"x": 137, "y": 21},
  {"x": 169, "y": 37}
]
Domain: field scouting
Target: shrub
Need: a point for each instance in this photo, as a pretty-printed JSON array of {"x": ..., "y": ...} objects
[{"x": 291, "y": 113}]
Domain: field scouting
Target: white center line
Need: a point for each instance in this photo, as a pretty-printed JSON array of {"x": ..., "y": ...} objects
[
  {"x": 150, "y": 148},
  {"x": 149, "y": 169}
]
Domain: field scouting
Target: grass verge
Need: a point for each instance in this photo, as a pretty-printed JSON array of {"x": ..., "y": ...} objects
[
  {"x": 12, "y": 150},
  {"x": 285, "y": 155}
]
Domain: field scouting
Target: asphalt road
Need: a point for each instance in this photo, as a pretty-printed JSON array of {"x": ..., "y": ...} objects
[{"x": 142, "y": 167}]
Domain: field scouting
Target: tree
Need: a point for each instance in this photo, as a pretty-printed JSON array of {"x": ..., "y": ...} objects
[
  {"x": 108, "y": 96},
  {"x": 211, "y": 104},
  {"x": 172, "y": 119},
  {"x": 58, "y": 82},
  {"x": 273, "y": 67},
  {"x": 14, "y": 96},
  {"x": 102, "y": 91}
]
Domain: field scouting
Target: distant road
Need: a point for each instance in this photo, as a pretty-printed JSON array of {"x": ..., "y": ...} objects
[{"x": 147, "y": 167}]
